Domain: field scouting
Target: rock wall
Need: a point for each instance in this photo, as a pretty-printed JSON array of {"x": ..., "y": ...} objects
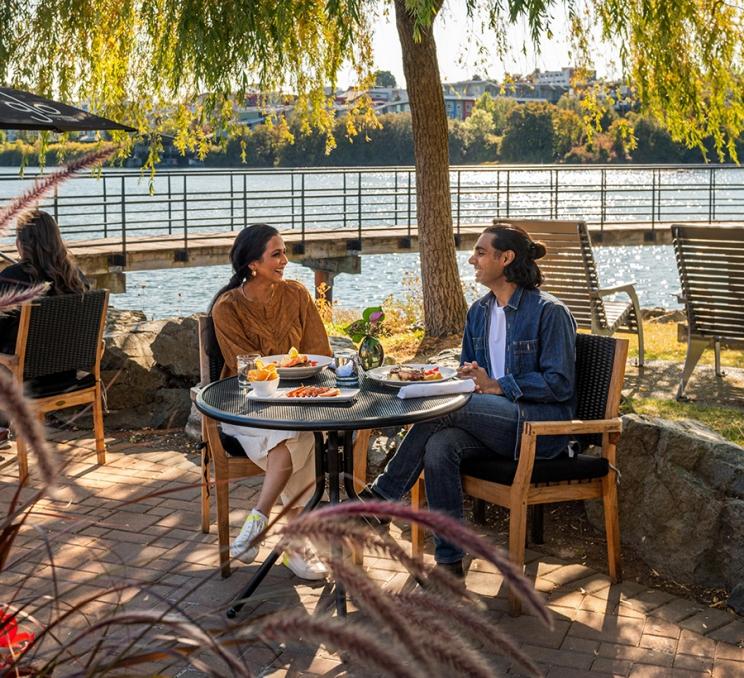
[{"x": 681, "y": 500}]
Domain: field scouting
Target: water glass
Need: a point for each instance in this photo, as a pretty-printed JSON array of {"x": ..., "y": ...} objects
[
  {"x": 347, "y": 373},
  {"x": 246, "y": 362}
]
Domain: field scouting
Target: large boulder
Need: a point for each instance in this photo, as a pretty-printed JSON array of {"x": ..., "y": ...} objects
[
  {"x": 149, "y": 367},
  {"x": 681, "y": 500}
]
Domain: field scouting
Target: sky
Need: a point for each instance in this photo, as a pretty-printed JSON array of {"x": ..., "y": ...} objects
[{"x": 458, "y": 49}]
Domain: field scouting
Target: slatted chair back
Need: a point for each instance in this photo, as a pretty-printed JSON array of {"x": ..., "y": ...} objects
[
  {"x": 64, "y": 333},
  {"x": 711, "y": 271}
]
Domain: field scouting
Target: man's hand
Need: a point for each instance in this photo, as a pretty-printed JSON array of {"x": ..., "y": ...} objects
[{"x": 483, "y": 383}]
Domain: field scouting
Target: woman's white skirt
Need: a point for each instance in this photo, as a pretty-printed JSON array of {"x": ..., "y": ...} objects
[{"x": 258, "y": 442}]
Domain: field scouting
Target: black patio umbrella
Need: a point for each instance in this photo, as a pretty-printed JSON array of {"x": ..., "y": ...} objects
[{"x": 23, "y": 110}]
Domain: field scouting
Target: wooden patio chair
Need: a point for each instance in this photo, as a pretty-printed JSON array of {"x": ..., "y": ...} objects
[
  {"x": 58, "y": 359},
  {"x": 227, "y": 455},
  {"x": 571, "y": 275},
  {"x": 516, "y": 485},
  {"x": 710, "y": 261}
]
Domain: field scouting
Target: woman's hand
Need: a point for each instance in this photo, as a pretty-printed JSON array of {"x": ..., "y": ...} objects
[{"x": 483, "y": 383}]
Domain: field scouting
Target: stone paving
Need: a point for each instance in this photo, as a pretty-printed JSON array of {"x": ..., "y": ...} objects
[{"x": 106, "y": 527}]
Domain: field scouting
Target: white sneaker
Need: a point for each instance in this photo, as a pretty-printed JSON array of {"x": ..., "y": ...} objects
[
  {"x": 305, "y": 564},
  {"x": 242, "y": 548}
]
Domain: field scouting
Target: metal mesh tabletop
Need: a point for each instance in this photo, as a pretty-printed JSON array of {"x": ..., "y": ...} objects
[{"x": 375, "y": 406}]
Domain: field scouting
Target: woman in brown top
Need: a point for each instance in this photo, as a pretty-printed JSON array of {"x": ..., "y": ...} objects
[{"x": 260, "y": 312}]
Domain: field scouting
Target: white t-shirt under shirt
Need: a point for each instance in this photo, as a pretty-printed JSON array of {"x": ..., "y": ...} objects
[{"x": 497, "y": 341}]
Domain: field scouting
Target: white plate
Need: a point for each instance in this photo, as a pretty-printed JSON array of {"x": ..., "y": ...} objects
[
  {"x": 381, "y": 374},
  {"x": 298, "y": 372},
  {"x": 281, "y": 397}
]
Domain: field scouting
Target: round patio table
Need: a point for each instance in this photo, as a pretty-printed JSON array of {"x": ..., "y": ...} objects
[{"x": 375, "y": 406}]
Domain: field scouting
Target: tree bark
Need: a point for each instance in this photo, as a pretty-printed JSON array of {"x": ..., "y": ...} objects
[{"x": 444, "y": 301}]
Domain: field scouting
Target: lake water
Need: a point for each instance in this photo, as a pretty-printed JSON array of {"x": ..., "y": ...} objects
[{"x": 189, "y": 290}]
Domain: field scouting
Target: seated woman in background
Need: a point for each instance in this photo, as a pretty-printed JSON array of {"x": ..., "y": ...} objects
[
  {"x": 260, "y": 312},
  {"x": 43, "y": 259}
]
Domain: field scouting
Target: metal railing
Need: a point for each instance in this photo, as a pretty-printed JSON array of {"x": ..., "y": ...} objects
[{"x": 120, "y": 205}]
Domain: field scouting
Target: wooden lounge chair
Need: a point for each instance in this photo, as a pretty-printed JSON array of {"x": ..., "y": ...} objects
[
  {"x": 227, "y": 455},
  {"x": 516, "y": 485},
  {"x": 58, "y": 359},
  {"x": 571, "y": 275},
  {"x": 710, "y": 261}
]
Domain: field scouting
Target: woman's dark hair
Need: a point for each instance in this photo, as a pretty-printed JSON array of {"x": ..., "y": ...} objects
[
  {"x": 523, "y": 270},
  {"x": 45, "y": 257},
  {"x": 248, "y": 247}
]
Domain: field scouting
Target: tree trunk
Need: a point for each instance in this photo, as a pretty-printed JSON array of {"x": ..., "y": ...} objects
[{"x": 444, "y": 302}]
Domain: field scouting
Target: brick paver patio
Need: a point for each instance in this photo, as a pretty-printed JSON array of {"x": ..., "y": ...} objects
[{"x": 115, "y": 535}]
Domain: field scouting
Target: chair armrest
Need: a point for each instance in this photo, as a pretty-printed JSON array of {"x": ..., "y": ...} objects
[
  {"x": 577, "y": 426},
  {"x": 9, "y": 360},
  {"x": 628, "y": 288}
]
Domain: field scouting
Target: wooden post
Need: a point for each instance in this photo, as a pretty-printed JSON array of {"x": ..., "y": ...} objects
[{"x": 324, "y": 278}]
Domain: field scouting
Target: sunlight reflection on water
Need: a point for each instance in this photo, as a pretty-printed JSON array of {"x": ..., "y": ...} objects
[{"x": 181, "y": 292}]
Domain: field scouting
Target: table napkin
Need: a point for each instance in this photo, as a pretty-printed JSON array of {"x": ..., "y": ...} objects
[{"x": 436, "y": 389}]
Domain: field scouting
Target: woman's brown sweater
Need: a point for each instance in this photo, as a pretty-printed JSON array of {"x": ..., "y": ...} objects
[{"x": 289, "y": 318}]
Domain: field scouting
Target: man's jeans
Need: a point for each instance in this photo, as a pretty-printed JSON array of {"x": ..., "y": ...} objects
[{"x": 487, "y": 425}]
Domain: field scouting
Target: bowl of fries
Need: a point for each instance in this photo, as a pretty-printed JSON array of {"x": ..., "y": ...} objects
[{"x": 264, "y": 379}]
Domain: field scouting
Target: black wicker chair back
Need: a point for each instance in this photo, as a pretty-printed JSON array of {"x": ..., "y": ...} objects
[
  {"x": 595, "y": 356},
  {"x": 63, "y": 333},
  {"x": 212, "y": 349}
]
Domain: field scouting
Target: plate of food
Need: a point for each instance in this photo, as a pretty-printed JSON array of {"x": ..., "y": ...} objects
[
  {"x": 400, "y": 375},
  {"x": 307, "y": 394},
  {"x": 296, "y": 365}
]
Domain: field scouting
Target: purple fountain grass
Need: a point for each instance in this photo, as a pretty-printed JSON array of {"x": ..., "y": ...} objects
[
  {"x": 370, "y": 597},
  {"x": 15, "y": 210},
  {"x": 447, "y": 528},
  {"x": 27, "y": 425},
  {"x": 184, "y": 629},
  {"x": 470, "y": 620},
  {"x": 11, "y": 299},
  {"x": 365, "y": 645}
]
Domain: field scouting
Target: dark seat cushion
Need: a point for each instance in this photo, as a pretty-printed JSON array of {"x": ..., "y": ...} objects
[
  {"x": 58, "y": 384},
  {"x": 502, "y": 471},
  {"x": 232, "y": 446}
]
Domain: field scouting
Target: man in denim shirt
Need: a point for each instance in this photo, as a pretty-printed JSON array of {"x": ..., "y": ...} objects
[{"x": 519, "y": 347}]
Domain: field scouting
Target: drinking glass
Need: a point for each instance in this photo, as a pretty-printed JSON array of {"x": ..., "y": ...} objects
[{"x": 246, "y": 362}]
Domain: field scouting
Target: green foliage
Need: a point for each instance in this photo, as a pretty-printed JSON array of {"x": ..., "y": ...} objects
[
  {"x": 369, "y": 324},
  {"x": 529, "y": 135},
  {"x": 384, "y": 79}
]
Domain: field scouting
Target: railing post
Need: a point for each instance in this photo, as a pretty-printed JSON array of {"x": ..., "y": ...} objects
[
  {"x": 292, "y": 196},
  {"x": 170, "y": 207},
  {"x": 344, "y": 191},
  {"x": 245, "y": 199},
  {"x": 602, "y": 200},
  {"x": 105, "y": 209},
  {"x": 56, "y": 204},
  {"x": 710, "y": 195},
  {"x": 508, "y": 193},
  {"x": 658, "y": 197},
  {"x": 302, "y": 206},
  {"x": 555, "y": 195},
  {"x": 653, "y": 199},
  {"x": 498, "y": 194},
  {"x": 232, "y": 203},
  {"x": 713, "y": 175},
  {"x": 123, "y": 220},
  {"x": 359, "y": 207},
  {"x": 409, "y": 203},
  {"x": 185, "y": 217},
  {"x": 395, "y": 197},
  {"x": 459, "y": 173}
]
